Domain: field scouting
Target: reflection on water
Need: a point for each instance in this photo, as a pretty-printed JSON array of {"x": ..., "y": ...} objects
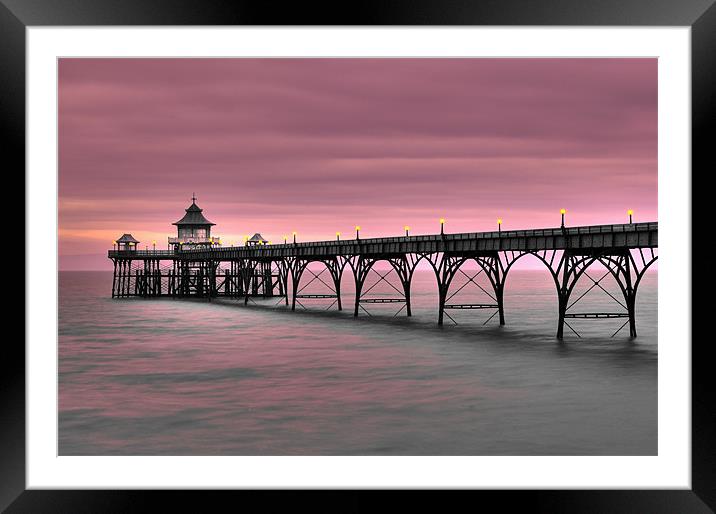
[{"x": 171, "y": 377}]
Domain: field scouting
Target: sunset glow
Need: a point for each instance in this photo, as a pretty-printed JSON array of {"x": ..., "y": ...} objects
[{"x": 314, "y": 145}]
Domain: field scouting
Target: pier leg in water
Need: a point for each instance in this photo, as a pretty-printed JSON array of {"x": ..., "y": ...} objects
[
  {"x": 499, "y": 290},
  {"x": 360, "y": 272},
  {"x": 337, "y": 283},
  {"x": 563, "y": 293},
  {"x": 562, "y": 306},
  {"x": 296, "y": 272},
  {"x": 441, "y": 304},
  {"x": 406, "y": 288},
  {"x": 359, "y": 287}
]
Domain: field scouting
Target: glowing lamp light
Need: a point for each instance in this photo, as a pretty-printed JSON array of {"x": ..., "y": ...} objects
[
  {"x": 442, "y": 226},
  {"x": 407, "y": 230},
  {"x": 630, "y": 213},
  {"x": 294, "y": 237},
  {"x": 338, "y": 236},
  {"x": 357, "y": 231},
  {"x": 499, "y": 224},
  {"x": 285, "y": 239},
  {"x": 563, "y": 212}
]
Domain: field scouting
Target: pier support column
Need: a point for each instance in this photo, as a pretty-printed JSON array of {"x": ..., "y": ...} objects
[
  {"x": 404, "y": 271},
  {"x": 211, "y": 277},
  {"x": 629, "y": 294},
  {"x": 337, "y": 286},
  {"x": 442, "y": 295},
  {"x": 360, "y": 272},
  {"x": 359, "y": 288},
  {"x": 563, "y": 291},
  {"x": 114, "y": 277},
  {"x": 336, "y": 266},
  {"x": 283, "y": 278},
  {"x": 408, "y": 308},
  {"x": 247, "y": 274},
  {"x": 495, "y": 272},
  {"x": 499, "y": 295},
  {"x": 562, "y": 310},
  {"x": 296, "y": 271},
  {"x": 631, "y": 309}
]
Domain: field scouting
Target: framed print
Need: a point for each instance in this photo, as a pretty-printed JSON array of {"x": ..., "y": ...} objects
[{"x": 417, "y": 249}]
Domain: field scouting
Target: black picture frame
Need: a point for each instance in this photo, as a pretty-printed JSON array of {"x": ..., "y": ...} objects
[{"x": 700, "y": 15}]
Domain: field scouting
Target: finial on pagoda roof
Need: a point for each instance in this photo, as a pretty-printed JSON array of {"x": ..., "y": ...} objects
[{"x": 193, "y": 198}]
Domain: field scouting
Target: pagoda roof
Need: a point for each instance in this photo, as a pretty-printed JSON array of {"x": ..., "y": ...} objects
[
  {"x": 127, "y": 238},
  {"x": 258, "y": 237},
  {"x": 193, "y": 216}
]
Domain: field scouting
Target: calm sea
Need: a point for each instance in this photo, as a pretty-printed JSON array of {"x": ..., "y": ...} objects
[{"x": 189, "y": 377}]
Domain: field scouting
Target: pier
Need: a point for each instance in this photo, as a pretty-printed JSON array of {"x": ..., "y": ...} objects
[{"x": 197, "y": 265}]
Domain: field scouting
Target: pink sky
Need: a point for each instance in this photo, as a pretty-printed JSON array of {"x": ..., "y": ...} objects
[{"x": 321, "y": 145}]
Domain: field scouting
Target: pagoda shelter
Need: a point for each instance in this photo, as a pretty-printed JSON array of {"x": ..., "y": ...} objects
[
  {"x": 256, "y": 239},
  {"x": 127, "y": 243},
  {"x": 194, "y": 230}
]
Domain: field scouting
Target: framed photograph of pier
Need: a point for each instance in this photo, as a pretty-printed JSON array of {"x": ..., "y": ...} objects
[{"x": 363, "y": 257}]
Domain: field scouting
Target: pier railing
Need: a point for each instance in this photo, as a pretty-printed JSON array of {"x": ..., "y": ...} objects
[
  {"x": 142, "y": 253},
  {"x": 635, "y": 235}
]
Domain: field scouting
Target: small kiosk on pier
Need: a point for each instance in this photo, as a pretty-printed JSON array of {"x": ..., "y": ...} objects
[{"x": 194, "y": 230}]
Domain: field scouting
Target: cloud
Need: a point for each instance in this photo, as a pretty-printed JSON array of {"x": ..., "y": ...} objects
[{"x": 316, "y": 145}]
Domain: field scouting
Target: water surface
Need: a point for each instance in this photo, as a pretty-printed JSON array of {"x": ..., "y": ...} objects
[{"x": 191, "y": 377}]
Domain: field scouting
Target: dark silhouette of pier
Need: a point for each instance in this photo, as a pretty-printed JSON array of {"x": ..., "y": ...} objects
[{"x": 197, "y": 266}]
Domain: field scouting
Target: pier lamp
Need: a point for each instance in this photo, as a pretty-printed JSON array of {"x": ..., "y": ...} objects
[
  {"x": 338, "y": 236},
  {"x": 114, "y": 245},
  {"x": 294, "y": 237},
  {"x": 246, "y": 240},
  {"x": 154, "y": 246},
  {"x": 630, "y": 213},
  {"x": 357, "y": 231},
  {"x": 285, "y": 239},
  {"x": 407, "y": 230},
  {"x": 499, "y": 225},
  {"x": 442, "y": 226},
  {"x": 563, "y": 212}
]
